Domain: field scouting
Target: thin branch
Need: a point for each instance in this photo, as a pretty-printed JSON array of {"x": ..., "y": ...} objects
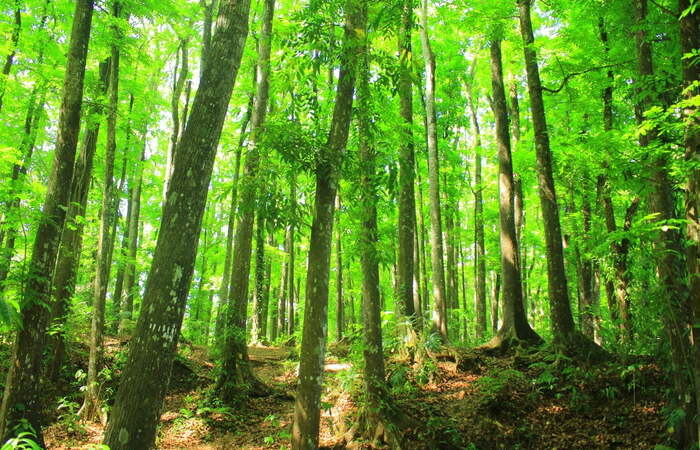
[{"x": 574, "y": 74}]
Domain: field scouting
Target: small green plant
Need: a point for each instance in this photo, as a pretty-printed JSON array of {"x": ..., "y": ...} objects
[
  {"x": 69, "y": 416},
  {"x": 25, "y": 438}
]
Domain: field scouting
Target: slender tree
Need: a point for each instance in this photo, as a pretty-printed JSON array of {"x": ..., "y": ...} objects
[
  {"x": 436, "y": 247},
  {"x": 236, "y": 371},
  {"x": 144, "y": 381},
  {"x": 514, "y": 327},
  {"x": 313, "y": 345}
]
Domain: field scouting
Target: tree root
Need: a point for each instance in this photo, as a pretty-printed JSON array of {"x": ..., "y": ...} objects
[{"x": 379, "y": 428}]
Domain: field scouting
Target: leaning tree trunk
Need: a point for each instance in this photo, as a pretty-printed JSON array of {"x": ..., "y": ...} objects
[
  {"x": 21, "y": 400},
  {"x": 566, "y": 336},
  {"x": 181, "y": 63},
  {"x": 313, "y": 345},
  {"x": 514, "y": 328},
  {"x": 236, "y": 373},
  {"x": 91, "y": 408},
  {"x": 407, "y": 200},
  {"x": 436, "y": 247},
  {"x": 690, "y": 42},
  {"x": 145, "y": 378}
]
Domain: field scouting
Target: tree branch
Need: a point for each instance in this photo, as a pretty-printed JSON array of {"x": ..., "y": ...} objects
[{"x": 574, "y": 74}]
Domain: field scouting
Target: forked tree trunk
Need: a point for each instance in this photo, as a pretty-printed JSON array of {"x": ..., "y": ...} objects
[
  {"x": 145, "y": 379},
  {"x": 22, "y": 388},
  {"x": 313, "y": 346}
]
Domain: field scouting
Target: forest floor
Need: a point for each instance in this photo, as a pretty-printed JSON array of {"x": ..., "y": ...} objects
[{"x": 471, "y": 402}]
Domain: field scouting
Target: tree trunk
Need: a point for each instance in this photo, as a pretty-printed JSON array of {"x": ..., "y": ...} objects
[
  {"x": 339, "y": 319},
  {"x": 480, "y": 247},
  {"x": 670, "y": 265},
  {"x": 420, "y": 229},
  {"x": 130, "y": 281},
  {"x": 566, "y": 337},
  {"x": 436, "y": 247},
  {"x": 495, "y": 296},
  {"x": 407, "y": 200},
  {"x": 145, "y": 378},
  {"x": 92, "y": 408},
  {"x": 71, "y": 236},
  {"x": 22, "y": 389},
  {"x": 236, "y": 372},
  {"x": 226, "y": 277},
  {"x": 290, "y": 237},
  {"x": 313, "y": 345},
  {"x": 256, "y": 328},
  {"x": 690, "y": 42},
  {"x": 514, "y": 328}
]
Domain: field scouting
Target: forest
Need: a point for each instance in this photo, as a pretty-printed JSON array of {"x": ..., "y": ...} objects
[{"x": 400, "y": 224}]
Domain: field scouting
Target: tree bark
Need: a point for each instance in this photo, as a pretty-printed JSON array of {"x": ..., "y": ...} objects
[
  {"x": 436, "y": 247},
  {"x": 407, "y": 200},
  {"x": 566, "y": 337},
  {"x": 236, "y": 372},
  {"x": 339, "y": 319},
  {"x": 690, "y": 42},
  {"x": 313, "y": 345},
  {"x": 181, "y": 63},
  {"x": 10, "y": 58},
  {"x": 256, "y": 327},
  {"x": 22, "y": 386},
  {"x": 292, "y": 297},
  {"x": 145, "y": 378},
  {"x": 92, "y": 408},
  {"x": 514, "y": 328}
]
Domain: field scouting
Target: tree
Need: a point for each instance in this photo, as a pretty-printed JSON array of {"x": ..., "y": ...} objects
[
  {"x": 21, "y": 386},
  {"x": 313, "y": 345},
  {"x": 514, "y": 328},
  {"x": 436, "y": 247},
  {"x": 565, "y": 334},
  {"x": 135, "y": 414}
]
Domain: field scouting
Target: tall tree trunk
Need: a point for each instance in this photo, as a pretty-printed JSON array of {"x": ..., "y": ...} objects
[
  {"x": 566, "y": 337},
  {"x": 313, "y": 345},
  {"x": 514, "y": 327},
  {"x": 130, "y": 281},
  {"x": 145, "y": 378},
  {"x": 407, "y": 200},
  {"x": 292, "y": 297},
  {"x": 256, "y": 328},
  {"x": 71, "y": 236},
  {"x": 339, "y": 319},
  {"x": 226, "y": 277},
  {"x": 480, "y": 247},
  {"x": 420, "y": 229},
  {"x": 670, "y": 264},
  {"x": 236, "y": 370},
  {"x": 436, "y": 250},
  {"x": 91, "y": 408},
  {"x": 495, "y": 300},
  {"x": 22, "y": 389},
  {"x": 690, "y": 42}
]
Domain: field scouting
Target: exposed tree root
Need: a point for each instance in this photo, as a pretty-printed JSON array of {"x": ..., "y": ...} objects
[
  {"x": 507, "y": 340},
  {"x": 380, "y": 427}
]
